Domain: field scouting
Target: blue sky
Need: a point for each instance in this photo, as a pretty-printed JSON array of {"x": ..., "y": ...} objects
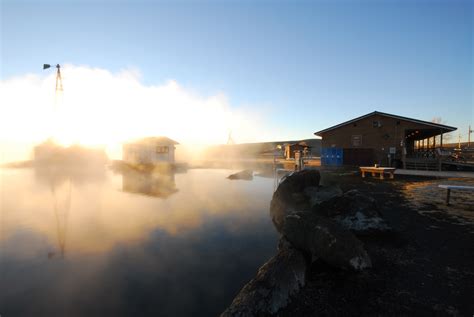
[{"x": 305, "y": 65}]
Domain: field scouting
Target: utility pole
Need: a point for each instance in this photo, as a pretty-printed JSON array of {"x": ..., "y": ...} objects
[
  {"x": 469, "y": 137},
  {"x": 459, "y": 141}
]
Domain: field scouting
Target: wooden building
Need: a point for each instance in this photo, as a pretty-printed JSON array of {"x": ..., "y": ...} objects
[
  {"x": 151, "y": 150},
  {"x": 381, "y": 138},
  {"x": 291, "y": 148}
]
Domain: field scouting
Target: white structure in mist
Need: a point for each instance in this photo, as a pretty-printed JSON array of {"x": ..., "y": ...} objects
[{"x": 151, "y": 150}]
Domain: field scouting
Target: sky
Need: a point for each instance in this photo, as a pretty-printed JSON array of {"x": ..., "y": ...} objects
[{"x": 285, "y": 69}]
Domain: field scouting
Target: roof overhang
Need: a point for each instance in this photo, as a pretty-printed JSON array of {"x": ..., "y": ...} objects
[{"x": 441, "y": 127}]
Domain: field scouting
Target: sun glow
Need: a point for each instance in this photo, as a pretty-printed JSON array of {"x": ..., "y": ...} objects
[{"x": 103, "y": 109}]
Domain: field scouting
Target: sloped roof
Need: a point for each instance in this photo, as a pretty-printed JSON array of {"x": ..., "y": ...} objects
[
  {"x": 154, "y": 140},
  {"x": 443, "y": 127},
  {"x": 301, "y": 143}
]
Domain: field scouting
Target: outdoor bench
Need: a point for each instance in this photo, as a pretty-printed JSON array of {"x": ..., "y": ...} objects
[
  {"x": 377, "y": 170},
  {"x": 458, "y": 187}
]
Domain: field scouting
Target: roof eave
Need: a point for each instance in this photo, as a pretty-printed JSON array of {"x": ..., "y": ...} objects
[{"x": 437, "y": 125}]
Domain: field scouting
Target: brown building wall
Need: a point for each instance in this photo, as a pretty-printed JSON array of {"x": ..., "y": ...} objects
[{"x": 362, "y": 134}]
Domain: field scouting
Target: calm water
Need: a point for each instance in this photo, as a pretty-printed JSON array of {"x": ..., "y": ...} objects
[{"x": 75, "y": 243}]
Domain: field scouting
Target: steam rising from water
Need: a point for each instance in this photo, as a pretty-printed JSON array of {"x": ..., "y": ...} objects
[{"x": 100, "y": 108}]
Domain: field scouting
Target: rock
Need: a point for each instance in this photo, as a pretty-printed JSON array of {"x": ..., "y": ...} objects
[
  {"x": 245, "y": 174},
  {"x": 298, "y": 181},
  {"x": 354, "y": 211},
  {"x": 290, "y": 195},
  {"x": 321, "y": 237},
  {"x": 276, "y": 281},
  {"x": 319, "y": 194}
]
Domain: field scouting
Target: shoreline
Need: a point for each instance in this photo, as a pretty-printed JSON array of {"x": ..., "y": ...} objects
[{"x": 424, "y": 267}]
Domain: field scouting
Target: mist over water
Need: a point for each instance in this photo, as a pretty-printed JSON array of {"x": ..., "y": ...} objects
[
  {"x": 102, "y": 243},
  {"x": 104, "y": 109},
  {"x": 77, "y": 238}
]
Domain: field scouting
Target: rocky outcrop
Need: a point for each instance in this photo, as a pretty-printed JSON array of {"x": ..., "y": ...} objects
[
  {"x": 290, "y": 196},
  {"x": 278, "y": 279},
  {"x": 245, "y": 175},
  {"x": 354, "y": 211},
  {"x": 315, "y": 222},
  {"x": 317, "y": 195},
  {"x": 316, "y": 219},
  {"x": 323, "y": 238}
]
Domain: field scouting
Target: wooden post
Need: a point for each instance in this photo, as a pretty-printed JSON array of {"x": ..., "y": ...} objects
[
  {"x": 448, "y": 194},
  {"x": 441, "y": 140}
]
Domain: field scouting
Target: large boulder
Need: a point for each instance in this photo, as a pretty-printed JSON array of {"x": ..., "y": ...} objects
[
  {"x": 245, "y": 175},
  {"x": 290, "y": 195},
  {"x": 321, "y": 237},
  {"x": 317, "y": 195},
  {"x": 354, "y": 211},
  {"x": 278, "y": 279},
  {"x": 298, "y": 181}
]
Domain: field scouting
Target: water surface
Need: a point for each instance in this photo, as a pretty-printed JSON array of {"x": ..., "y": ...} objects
[{"x": 99, "y": 243}]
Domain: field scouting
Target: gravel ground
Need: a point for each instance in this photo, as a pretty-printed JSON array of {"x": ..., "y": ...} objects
[{"x": 425, "y": 267}]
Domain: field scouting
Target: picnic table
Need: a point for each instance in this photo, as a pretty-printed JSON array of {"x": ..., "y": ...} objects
[
  {"x": 377, "y": 170},
  {"x": 458, "y": 187}
]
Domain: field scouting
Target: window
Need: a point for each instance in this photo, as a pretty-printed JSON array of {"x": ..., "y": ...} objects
[
  {"x": 376, "y": 124},
  {"x": 356, "y": 140},
  {"x": 162, "y": 149}
]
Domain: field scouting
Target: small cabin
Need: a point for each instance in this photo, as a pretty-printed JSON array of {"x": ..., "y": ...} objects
[
  {"x": 384, "y": 139},
  {"x": 291, "y": 148},
  {"x": 150, "y": 150}
]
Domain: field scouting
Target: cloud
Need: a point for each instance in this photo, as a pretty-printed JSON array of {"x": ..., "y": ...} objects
[{"x": 99, "y": 107}]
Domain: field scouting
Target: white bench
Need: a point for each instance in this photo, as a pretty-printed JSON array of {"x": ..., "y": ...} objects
[{"x": 458, "y": 187}]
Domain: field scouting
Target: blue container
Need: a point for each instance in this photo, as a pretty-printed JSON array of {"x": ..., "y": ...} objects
[{"x": 331, "y": 156}]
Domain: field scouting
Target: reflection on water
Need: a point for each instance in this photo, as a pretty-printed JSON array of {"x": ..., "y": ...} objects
[
  {"x": 157, "y": 184},
  {"x": 428, "y": 198},
  {"x": 75, "y": 243}
]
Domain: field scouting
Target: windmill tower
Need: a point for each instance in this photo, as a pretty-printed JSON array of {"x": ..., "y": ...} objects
[
  {"x": 59, "y": 81},
  {"x": 58, "y": 96}
]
